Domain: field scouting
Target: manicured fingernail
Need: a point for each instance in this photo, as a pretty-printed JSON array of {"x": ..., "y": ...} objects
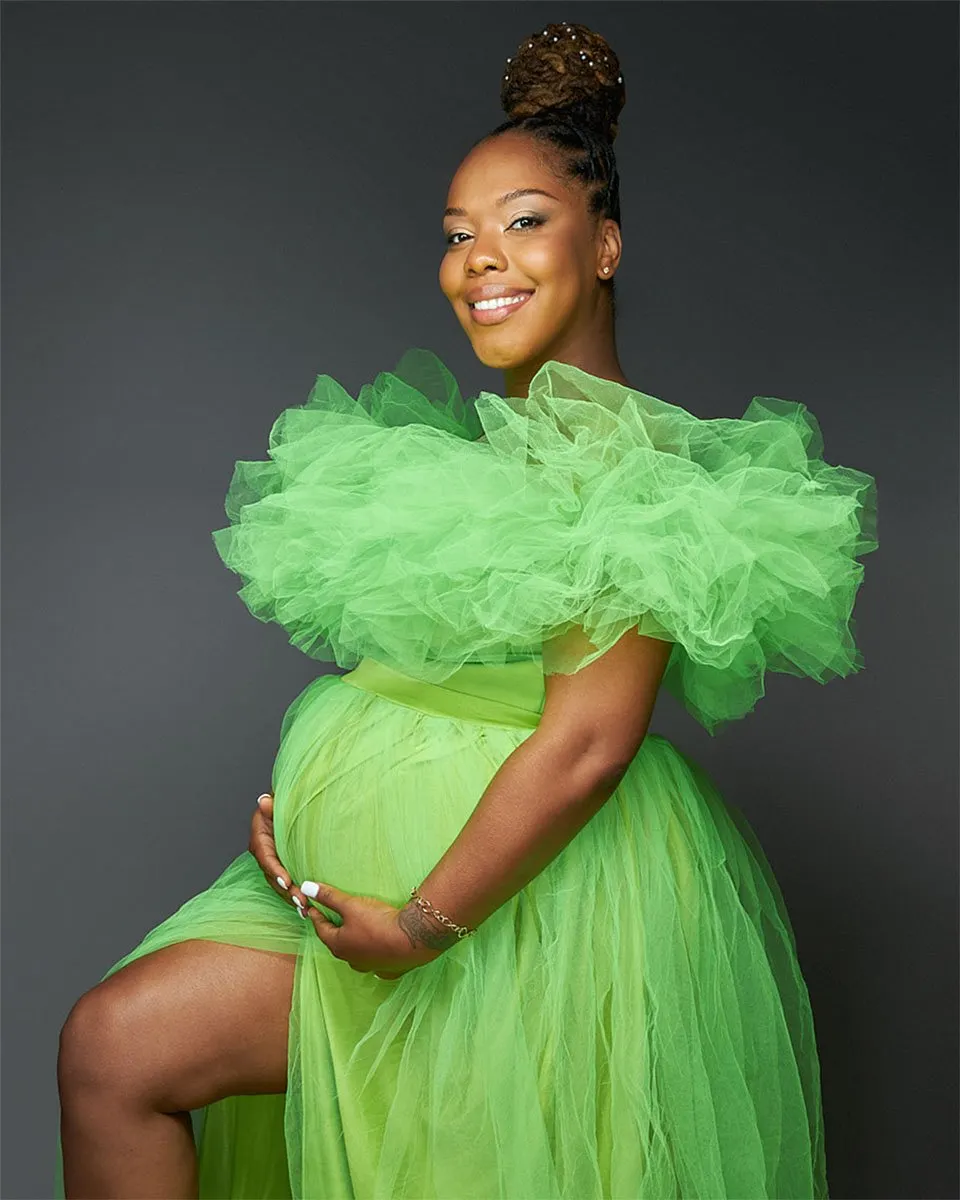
[
  {"x": 301, "y": 913},
  {"x": 298, "y": 902},
  {"x": 309, "y": 888},
  {"x": 280, "y": 880},
  {"x": 263, "y": 796}
]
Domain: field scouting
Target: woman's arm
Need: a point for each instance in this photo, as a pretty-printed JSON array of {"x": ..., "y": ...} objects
[{"x": 592, "y": 726}]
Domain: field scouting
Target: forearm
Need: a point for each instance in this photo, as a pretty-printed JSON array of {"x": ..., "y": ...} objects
[{"x": 541, "y": 796}]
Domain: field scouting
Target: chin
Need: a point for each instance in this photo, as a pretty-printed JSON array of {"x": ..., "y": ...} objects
[
  {"x": 493, "y": 357},
  {"x": 503, "y": 354}
]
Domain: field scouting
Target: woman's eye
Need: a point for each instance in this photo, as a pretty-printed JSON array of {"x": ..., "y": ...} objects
[
  {"x": 451, "y": 238},
  {"x": 536, "y": 221}
]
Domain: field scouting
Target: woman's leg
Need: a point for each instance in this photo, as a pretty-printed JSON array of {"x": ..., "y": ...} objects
[{"x": 172, "y": 1031}]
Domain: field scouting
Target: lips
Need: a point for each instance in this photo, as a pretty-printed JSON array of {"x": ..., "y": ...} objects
[{"x": 503, "y": 302}]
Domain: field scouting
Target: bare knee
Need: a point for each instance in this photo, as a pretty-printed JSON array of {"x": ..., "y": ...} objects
[
  {"x": 152, "y": 1036},
  {"x": 97, "y": 1051}
]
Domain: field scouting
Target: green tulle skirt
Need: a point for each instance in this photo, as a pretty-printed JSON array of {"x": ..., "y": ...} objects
[{"x": 632, "y": 1024}]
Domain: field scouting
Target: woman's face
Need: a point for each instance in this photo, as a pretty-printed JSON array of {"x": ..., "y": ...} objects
[{"x": 544, "y": 249}]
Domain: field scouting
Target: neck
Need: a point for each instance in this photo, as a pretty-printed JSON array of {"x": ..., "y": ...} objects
[{"x": 596, "y": 357}]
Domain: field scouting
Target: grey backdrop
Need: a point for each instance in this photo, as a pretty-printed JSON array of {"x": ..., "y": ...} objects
[{"x": 207, "y": 205}]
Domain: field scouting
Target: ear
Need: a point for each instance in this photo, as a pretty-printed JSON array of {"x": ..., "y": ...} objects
[{"x": 609, "y": 248}]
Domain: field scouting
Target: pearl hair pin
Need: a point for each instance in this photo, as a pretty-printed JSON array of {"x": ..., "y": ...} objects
[{"x": 573, "y": 37}]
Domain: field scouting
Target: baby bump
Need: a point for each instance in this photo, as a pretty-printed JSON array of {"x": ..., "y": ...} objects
[{"x": 368, "y": 793}]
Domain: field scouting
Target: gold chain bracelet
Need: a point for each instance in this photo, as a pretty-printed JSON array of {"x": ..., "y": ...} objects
[{"x": 460, "y": 930}]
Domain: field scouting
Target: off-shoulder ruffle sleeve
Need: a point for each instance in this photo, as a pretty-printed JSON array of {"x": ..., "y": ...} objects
[{"x": 382, "y": 527}]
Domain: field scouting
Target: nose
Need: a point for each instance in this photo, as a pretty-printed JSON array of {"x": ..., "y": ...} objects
[{"x": 484, "y": 253}]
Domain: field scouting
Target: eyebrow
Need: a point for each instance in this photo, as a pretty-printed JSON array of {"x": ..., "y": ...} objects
[{"x": 504, "y": 199}]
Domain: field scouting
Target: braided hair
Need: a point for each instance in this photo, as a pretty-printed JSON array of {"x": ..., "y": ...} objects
[{"x": 564, "y": 87}]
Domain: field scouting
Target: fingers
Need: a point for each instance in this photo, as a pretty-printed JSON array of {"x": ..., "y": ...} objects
[
  {"x": 331, "y": 935},
  {"x": 326, "y": 894},
  {"x": 325, "y": 929},
  {"x": 263, "y": 848},
  {"x": 330, "y": 897}
]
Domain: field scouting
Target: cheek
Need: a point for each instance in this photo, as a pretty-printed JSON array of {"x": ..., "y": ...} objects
[
  {"x": 445, "y": 276},
  {"x": 449, "y": 276},
  {"x": 556, "y": 269}
]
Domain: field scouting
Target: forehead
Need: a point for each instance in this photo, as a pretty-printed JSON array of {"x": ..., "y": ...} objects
[{"x": 504, "y": 164}]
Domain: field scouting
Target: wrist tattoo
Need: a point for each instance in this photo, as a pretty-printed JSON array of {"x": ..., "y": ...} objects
[{"x": 423, "y": 930}]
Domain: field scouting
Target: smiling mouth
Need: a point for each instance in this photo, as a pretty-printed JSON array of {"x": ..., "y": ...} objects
[{"x": 492, "y": 312}]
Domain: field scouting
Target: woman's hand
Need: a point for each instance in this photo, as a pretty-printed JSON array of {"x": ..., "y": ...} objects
[
  {"x": 373, "y": 935},
  {"x": 263, "y": 847}
]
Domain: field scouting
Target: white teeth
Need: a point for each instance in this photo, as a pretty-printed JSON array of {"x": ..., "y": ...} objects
[{"x": 500, "y": 302}]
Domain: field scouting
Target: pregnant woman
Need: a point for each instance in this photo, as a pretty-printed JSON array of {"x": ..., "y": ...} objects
[{"x": 496, "y": 939}]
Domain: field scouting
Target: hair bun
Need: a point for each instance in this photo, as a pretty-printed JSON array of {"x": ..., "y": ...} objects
[{"x": 565, "y": 68}]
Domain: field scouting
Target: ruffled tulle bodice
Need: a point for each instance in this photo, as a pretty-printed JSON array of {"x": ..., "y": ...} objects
[{"x": 426, "y": 531}]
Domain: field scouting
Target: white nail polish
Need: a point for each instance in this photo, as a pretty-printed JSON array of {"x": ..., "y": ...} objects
[
  {"x": 311, "y": 889},
  {"x": 263, "y": 796},
  {"x": 301, "y": 913},
  {"x": 298, "y": 902},
  {"x": 281, "y": 882}
]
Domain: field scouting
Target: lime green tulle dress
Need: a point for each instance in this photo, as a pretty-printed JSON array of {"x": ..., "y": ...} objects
[{"x": 633, "y": 1024}]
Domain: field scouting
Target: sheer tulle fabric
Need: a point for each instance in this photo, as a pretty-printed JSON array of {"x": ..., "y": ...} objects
[
  {"x": 634, "y": 1022},
  {"x": 380, "y": 526}
]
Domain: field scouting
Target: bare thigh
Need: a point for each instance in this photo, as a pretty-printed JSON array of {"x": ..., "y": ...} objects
[{"x": 184, "y": 1026}]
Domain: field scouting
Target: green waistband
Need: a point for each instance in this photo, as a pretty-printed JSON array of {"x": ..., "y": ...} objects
[{"x": 511, "y": 694}]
